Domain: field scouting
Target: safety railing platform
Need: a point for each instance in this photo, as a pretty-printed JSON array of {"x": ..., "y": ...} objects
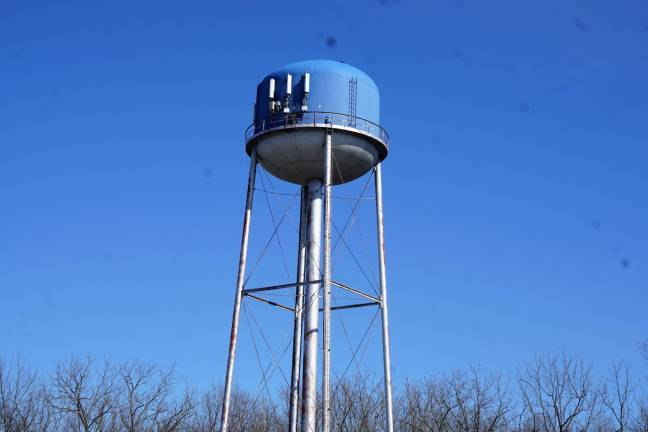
[{"x": 316, "y": 119}]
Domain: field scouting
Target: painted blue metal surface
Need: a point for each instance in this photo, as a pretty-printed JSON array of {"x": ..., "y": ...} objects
[{"x": 335, "y": 87}]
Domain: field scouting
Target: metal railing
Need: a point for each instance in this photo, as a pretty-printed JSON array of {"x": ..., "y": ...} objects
[{"x": 316, "y": 118}]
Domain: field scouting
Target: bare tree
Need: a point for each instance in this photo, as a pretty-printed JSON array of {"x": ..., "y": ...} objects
[
  {"x": 85, "y": 399},
  {"x": 173, "y": 415},
  {"x": 640, "y": 420},
  {"x": 460, "y": 402},
  {"x": 206, "y": 413},
  {"x": 357, "y": 404},
  {"x": 146, "y": 399},
  {"x": 616, "y": 395},
  {"x": 427, "y": 405},
  {"x": 558, "y": 394},
  {"x": 23, "y": 399},
  {"x": 251, "y": 413},
  {"x": 643, "y": 349},
  {"x": 480, "y": 402}
]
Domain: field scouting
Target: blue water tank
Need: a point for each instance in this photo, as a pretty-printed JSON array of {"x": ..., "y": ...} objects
[{"x": 297, "y": 105}]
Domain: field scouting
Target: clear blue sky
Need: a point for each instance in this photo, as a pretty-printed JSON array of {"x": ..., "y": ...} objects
[{"x": 516, "y": 190}]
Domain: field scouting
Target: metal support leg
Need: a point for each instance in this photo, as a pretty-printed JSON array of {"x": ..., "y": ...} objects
[
  {"x": 383, "y": 296},
  {"x": 326, "y": 296},
  {"x": 239, "y": 290},
  {"x": 311, "y": 300},
  {"x": 299, "y": 308}
]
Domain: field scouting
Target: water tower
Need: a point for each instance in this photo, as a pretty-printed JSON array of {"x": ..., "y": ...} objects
[{"x": 316, "y": 124}]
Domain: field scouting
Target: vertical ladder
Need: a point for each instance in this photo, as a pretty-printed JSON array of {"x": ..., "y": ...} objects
[{"x": 353, "y": 100}]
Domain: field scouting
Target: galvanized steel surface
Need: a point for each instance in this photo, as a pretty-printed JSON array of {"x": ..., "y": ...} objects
[
  {"x": 316, "y": 119},
  {"x": 389, "y": 408},
  {"x": 299, "y": 309},
  {"x": 311, "y": 310},
  {"x": 239, "y": 293},
  {"x": 298, "y": 110},
  {"x": 326, "y": 296}
]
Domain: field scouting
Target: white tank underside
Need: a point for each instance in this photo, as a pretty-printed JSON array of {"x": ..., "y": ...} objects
[{"x": 296, "y": 154}]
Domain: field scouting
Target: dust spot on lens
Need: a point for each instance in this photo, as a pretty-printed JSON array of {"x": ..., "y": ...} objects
[
  {"x": 331, "y": 42},
  {"x": 524, "y": 107},
  {"x": 625, "y": 263},
  {"x": 581, "y": 25},
  {"x": 208, "y": 173},
  {"x": 595, "y": 224}
]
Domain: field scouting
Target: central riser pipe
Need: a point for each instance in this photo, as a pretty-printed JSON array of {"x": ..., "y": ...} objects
[
  {"x": 299, "y": 311},
  {"x": 311, "y": 307}
]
